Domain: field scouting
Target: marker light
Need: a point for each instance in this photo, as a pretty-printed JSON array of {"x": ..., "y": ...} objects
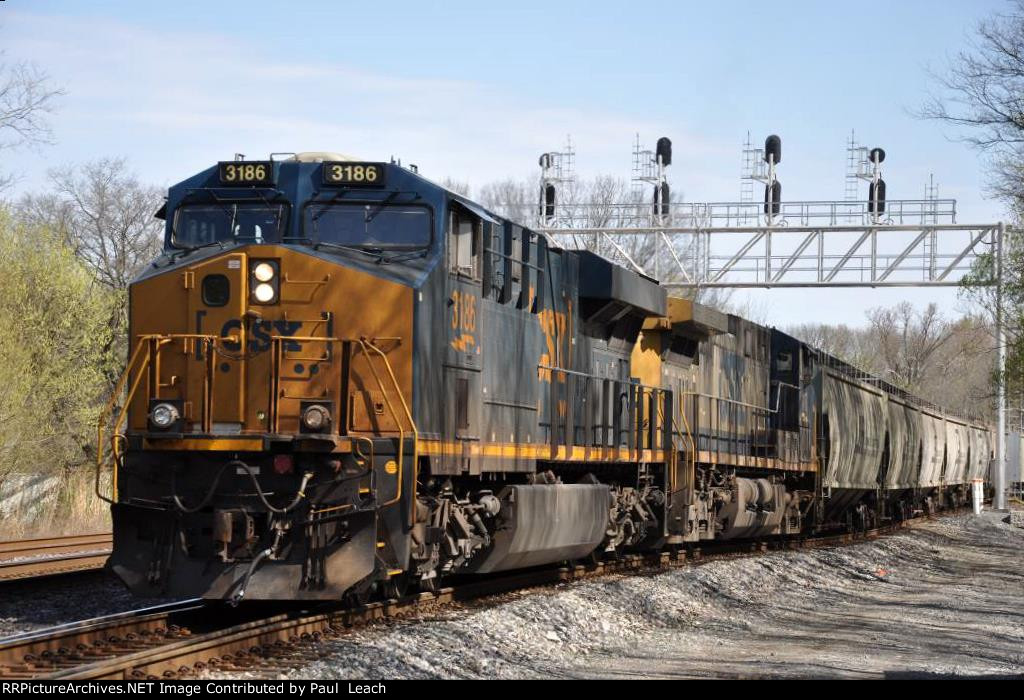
[
  {"x": 264, "y": 272},
  {"x": 264, "y": 293},
  {"x": 283, "y": 464}
]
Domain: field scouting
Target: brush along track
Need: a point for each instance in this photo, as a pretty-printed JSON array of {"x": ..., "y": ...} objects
[
  {"x": 182, "y": 639},
  {"x": 48, "y": 556}
]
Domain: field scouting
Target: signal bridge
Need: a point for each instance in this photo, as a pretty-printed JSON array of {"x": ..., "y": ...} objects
[
  {"x": 804, "y": 244},
  {"x": 778, "y": 243}
]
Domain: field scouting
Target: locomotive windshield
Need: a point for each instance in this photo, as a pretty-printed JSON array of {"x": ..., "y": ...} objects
[
  {"x": 202, "y": 224},
  {"x": 374, "y": 226}
]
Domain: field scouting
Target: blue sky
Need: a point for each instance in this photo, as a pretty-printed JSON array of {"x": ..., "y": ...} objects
[{"x": 477, "y": 90}]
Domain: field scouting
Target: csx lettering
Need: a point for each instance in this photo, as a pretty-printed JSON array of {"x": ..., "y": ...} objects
[
  {"x": 259, "y": 333},
  {"x": 554, "y": 324}
]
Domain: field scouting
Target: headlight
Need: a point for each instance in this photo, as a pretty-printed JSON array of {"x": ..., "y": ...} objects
[
  {"x": 163, "y": 415},
  {"x": 264, "y": 272},
  {"x": 316, "y": 418},
  {"x": 264, "y": 293}
]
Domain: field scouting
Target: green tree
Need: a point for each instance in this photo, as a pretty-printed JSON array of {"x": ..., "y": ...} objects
[
  {"x": 105, "y": 216},
  {"x": 52, "y": 374}
]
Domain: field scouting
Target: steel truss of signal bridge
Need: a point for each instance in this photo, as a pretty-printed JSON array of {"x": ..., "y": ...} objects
[{"x": 914, "y": 243}]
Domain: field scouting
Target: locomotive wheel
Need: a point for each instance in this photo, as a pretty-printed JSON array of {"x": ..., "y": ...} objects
[
  {"x": 430, "y": 585},
  {"x": 396, "y": 587},
  {"x": 358, "y": 596}
]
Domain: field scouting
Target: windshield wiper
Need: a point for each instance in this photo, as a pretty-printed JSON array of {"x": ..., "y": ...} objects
[
  {"x": 185, "y": 250},
  {"x": 380, "y": 207},
  {"x": 375, "y": 253},
  {"x": 403, "y": 257}
]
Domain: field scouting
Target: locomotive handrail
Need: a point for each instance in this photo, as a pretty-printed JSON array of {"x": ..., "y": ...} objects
[
  {"x": 732, "y": 421},
  {"x": 101, "y": 423},
  {"x": 635, "y": 398},
  {"x": 146, "y": 355},
  {"x": 152, "y": 343},
  {"x": 760, "y": 415},
  {"x": 365, "y": 345},
  {"x": 689, "y": 434},
  {"x": 408, "y": 413}
]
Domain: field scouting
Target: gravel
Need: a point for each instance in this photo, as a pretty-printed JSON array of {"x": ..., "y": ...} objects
[
  {"x": 944, "y": 598},
  {"x": 32, "y": 604},
  {"x": 47, "y": 557}
]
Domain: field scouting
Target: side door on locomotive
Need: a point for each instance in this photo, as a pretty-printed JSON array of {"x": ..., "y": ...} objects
[{"x": 463, "y": 355}]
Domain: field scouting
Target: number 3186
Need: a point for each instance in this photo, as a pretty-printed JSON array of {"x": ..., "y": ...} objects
[
  {"x": 245, "y": 172},
  {"x": 353, "y": 173}
]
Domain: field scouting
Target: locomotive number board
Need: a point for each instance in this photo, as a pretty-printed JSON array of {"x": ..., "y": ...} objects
[
  {"x": 354, "y": 174},
  {"x": 248, "y": 172}
]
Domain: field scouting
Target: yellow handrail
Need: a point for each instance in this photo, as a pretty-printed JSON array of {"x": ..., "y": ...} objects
[
  {"x": 364, "y": 343},
  {"x": 152, "y": 344},
  {"x": 689, "y": 433},
  {"x": 147, "y": 351},
  {"x": 105, "y": 415}
]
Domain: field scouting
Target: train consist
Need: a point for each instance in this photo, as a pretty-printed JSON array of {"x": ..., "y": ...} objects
[{"x": 345, "y": 380}]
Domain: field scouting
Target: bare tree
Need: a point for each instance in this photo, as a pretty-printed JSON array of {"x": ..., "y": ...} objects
[
  {"x": 513, "y": 199},
  {"x": 855, "y": 346},
  {"x": 456, "y": 186},
  {"x": 608, "y": 202},
  {"x": 982, "y": 91},
  {"x": 27, "y": 97},
  {"x": 917, "y": 350},
  {"x": 909, "y": 341},
  {"x": 105, "y": 215}
]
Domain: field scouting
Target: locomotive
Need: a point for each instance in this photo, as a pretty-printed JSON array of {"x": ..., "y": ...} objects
[{"x": 345, "y": 380}]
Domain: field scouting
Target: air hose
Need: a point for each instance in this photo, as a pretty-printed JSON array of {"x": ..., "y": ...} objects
[
  {"x": 238, "y": 464},
  {"x": 299, "y": 495},
  {"x": 240, "y": 593}
]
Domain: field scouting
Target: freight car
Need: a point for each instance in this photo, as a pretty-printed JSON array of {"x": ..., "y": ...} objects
[{"x": 345, "y": 380}]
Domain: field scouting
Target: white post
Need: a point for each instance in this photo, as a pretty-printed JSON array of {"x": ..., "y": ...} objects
[
  {"x": 977, "y": 494},
  {"x": 999, "y": 501}
]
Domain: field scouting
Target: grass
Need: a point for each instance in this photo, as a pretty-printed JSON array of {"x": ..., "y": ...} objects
[{"x": 73, "y": 510}]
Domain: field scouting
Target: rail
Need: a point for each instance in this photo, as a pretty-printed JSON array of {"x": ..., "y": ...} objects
[{"x": 48, "y": 556}]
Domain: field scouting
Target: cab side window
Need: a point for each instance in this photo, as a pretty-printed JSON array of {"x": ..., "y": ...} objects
[{"x": 464, "y": 244}]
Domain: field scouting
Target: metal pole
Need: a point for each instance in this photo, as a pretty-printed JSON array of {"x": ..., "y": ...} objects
[{"x": 1000, "y": 475}]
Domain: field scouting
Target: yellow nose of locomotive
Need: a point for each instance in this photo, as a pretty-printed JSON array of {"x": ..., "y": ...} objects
[{"x": 256, "y": 342}]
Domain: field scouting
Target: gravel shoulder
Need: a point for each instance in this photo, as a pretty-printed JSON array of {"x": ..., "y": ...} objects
[
  {"x": 943, "y": 598},
  {"x": 32, "y": 604}
]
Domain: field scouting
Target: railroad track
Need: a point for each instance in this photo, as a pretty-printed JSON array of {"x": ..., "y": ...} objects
[
  {"x": 182, "y": 639},
  {"x": 53, "y": 555}
]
